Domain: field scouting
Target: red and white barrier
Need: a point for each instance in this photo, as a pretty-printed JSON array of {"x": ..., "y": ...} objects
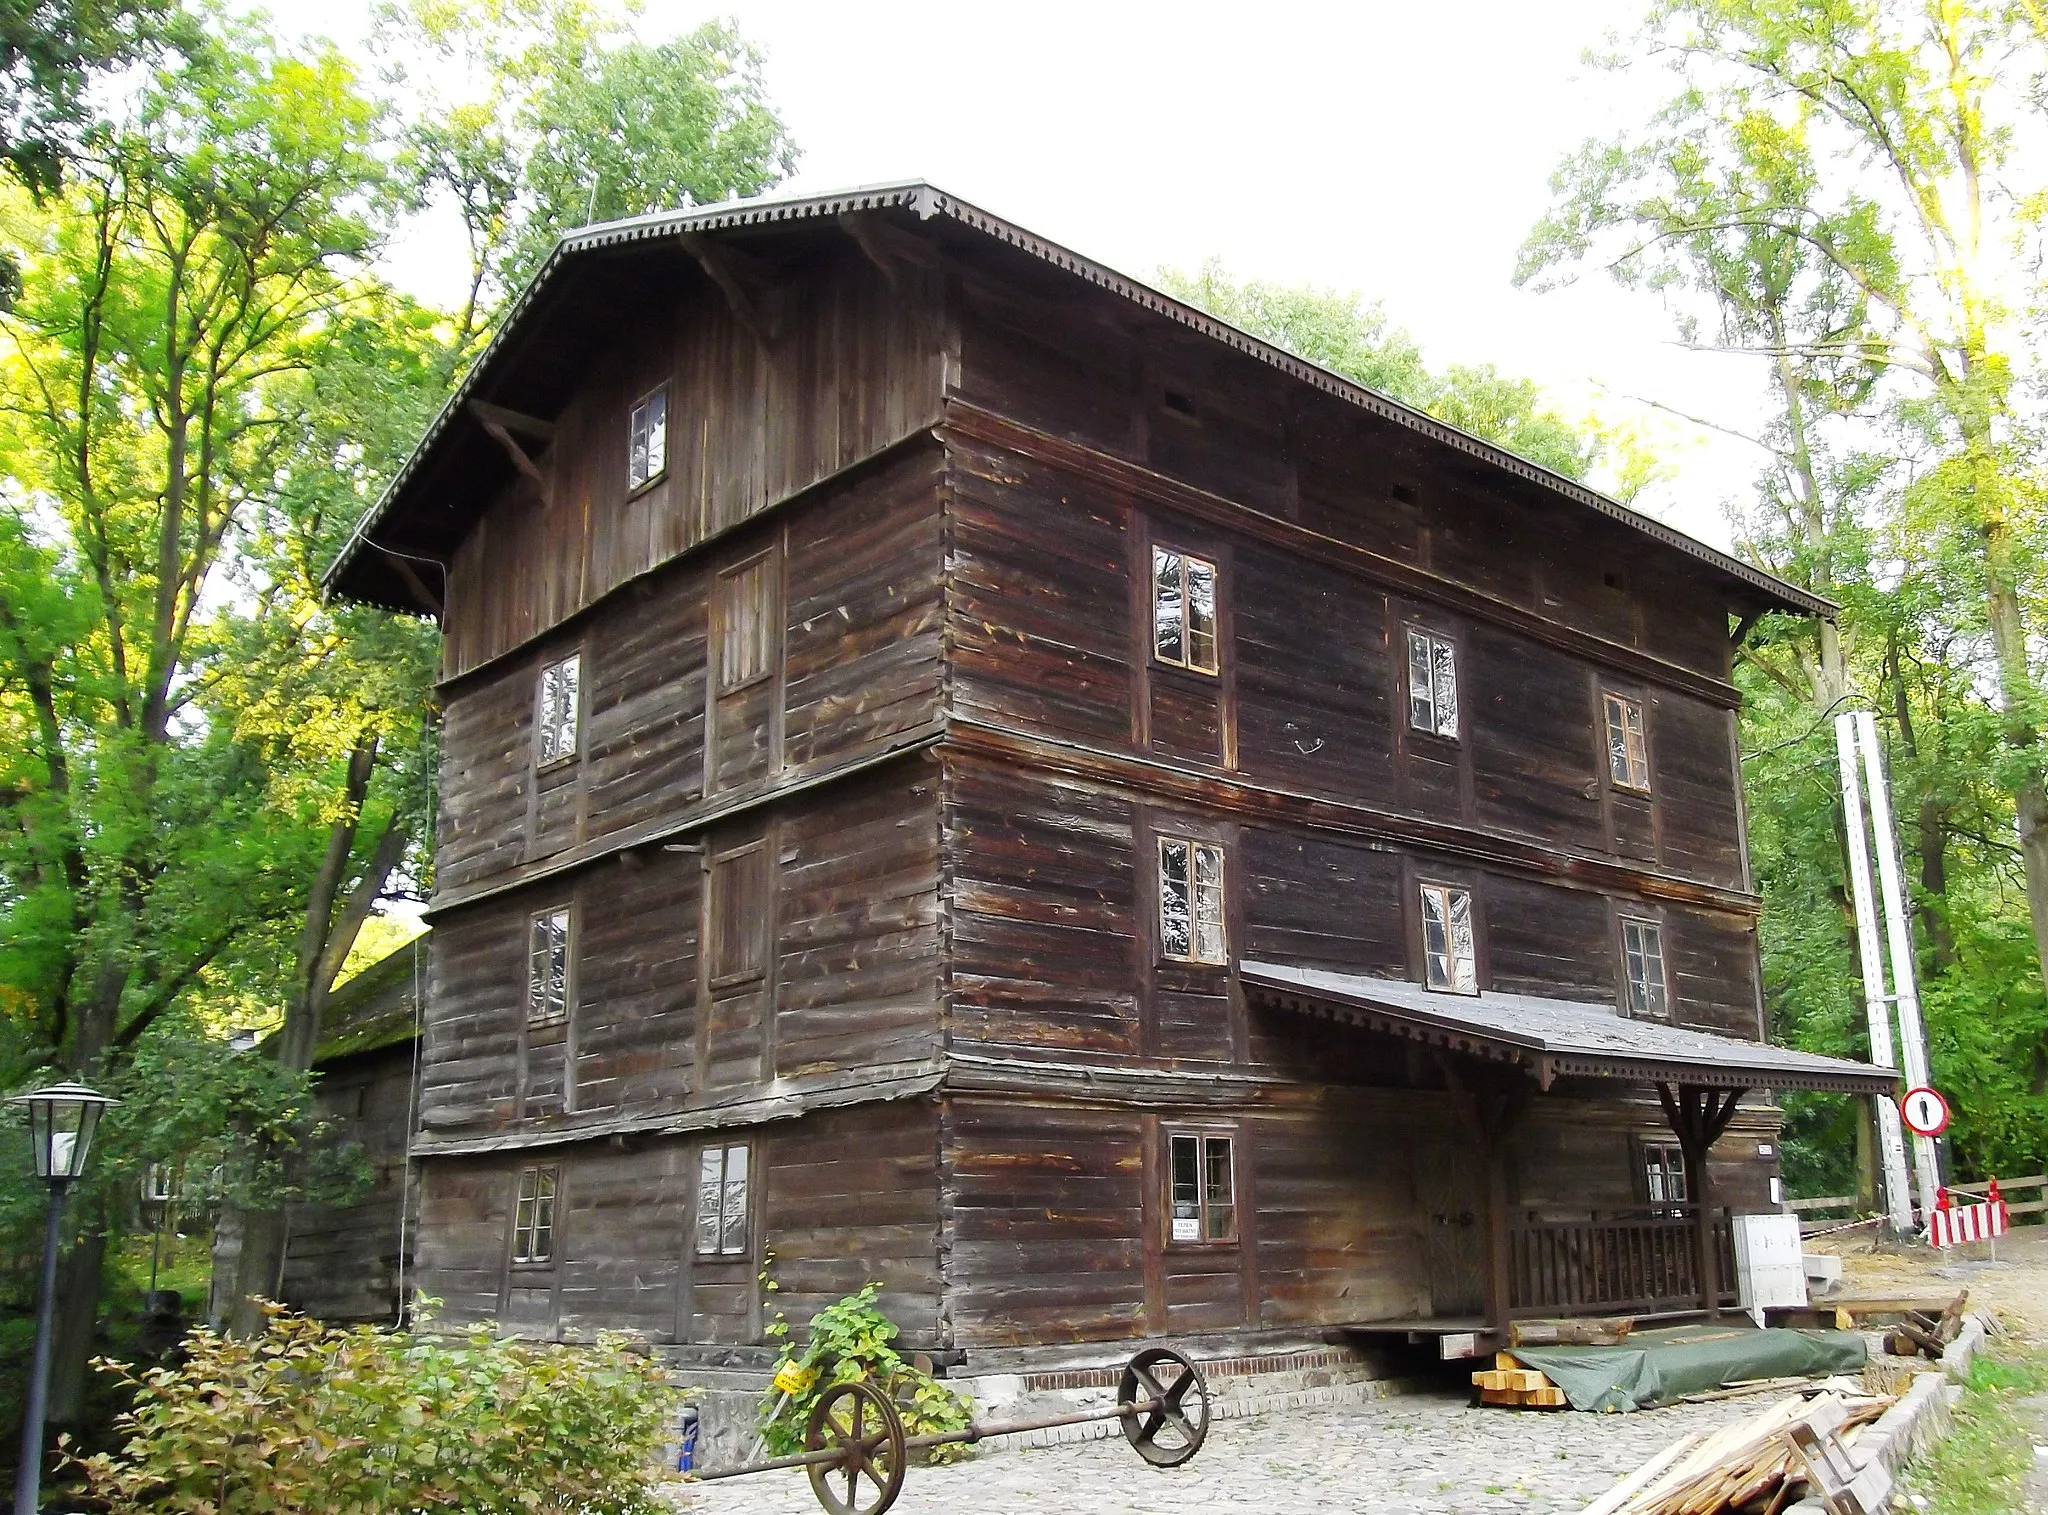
[{"x": 1951, "y": 1224}]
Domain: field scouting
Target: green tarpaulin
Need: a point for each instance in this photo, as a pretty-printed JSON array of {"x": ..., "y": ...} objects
[{"x": 1657, "y": 1367}]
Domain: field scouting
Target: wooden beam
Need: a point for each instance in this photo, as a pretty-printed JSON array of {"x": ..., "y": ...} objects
[
  {"x": 517, "y": 422},
  {"x": 744, "y": 281},
  {"x": 887, "y": 246},
  {"x": 504, "y": 438},
  {"x": 404, "y": 569}
]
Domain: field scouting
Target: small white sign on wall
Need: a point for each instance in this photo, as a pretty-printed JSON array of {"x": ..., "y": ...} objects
[{"x": 1186, "y": 1230}]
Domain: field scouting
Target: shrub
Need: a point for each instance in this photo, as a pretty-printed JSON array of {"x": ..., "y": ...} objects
[
  {"x": 328, "y": 1422},
  {"x": 850, "y": 1340}
]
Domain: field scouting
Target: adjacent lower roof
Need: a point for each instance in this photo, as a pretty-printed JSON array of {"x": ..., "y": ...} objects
[
  {"x": 1555, "y": 1038},
  {"x": 359, "y": 574}
]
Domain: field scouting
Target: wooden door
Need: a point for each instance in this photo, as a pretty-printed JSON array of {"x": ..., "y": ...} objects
[{"x": 1450, "y": 1188}]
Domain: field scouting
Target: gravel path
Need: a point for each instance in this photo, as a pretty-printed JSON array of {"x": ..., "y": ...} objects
[{"x": 1431, "y": 1454}]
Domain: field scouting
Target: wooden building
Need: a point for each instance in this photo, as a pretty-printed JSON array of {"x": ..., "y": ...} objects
[
  {"x": 962, "y": 769},
  {"x": 352, "y": 1262}
]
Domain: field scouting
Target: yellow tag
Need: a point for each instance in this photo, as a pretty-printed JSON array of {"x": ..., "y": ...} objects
[{"x": 794, "y": 1378}]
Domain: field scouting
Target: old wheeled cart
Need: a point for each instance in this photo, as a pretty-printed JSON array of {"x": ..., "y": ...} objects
[{"x": 855, "y": 1450}]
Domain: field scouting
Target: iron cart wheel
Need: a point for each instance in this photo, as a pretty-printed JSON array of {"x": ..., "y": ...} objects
[
  {"x": 1174, "y": 1429},
  {"x": 857, "y": 1421}
]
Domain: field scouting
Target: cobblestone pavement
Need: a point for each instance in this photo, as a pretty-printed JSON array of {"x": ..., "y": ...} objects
[{"x": 1425, "y": 1453}]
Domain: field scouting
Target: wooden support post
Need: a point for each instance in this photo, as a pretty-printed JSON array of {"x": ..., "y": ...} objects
[
  {"x": 1498, "y": 1103},
  {"x": 1698, "y": 1117},
  {"x": 1498, "y": 1256}
]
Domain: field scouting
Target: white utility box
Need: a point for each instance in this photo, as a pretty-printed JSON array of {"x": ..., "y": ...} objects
[{"x": 1770, "y": 1268}]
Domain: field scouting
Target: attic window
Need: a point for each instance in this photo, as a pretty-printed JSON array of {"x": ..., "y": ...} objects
[
  {"x": 1613, "y": 578},
  {"x": 647, "y": 440}
]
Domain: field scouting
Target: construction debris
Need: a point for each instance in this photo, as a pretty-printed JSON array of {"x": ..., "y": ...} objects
[
  {"x": 1760, "y": 1466},
  {"x": 1611, "y": 1332},
  {"x": 1927, "y": 1334}
]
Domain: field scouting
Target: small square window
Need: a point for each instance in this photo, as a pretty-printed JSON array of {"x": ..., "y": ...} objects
[
  {"x": 1204, "y": 1188},
  {"x": 1628, "y": 756},
  {"x": 1642, "y": 952},
  {"x": 1191, "y": 901},
  {"x": 1450, "y": 957},
  {"x": 647, "y": 440},
  {"x": 547, "y": 968},
  {"x": 558, "y": 702},
  {"x": 722, "y": 1197},
  {"x": 1432, "y": 683},
  {"x": 1183, "y": 610},
  {"x": 1664, "y": 1176},
  {"x": 533, "y": 1217},
  {"x": 743, "y": 625}
]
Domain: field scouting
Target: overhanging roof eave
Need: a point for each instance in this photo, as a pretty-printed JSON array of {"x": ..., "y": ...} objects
[{"x": 1549, "y": 1052}]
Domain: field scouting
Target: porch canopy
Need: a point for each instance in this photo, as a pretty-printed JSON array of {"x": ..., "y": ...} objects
[
  {"x": 1550, "y": 1038},
  {"x": 1497, "y": 1049}
]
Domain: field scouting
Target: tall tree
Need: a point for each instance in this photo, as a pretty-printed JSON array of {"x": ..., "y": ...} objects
[
  {"x": 197, "y": 259},
  {"x": 536, "y": 117}
]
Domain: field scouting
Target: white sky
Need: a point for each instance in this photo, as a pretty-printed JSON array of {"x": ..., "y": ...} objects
[{"x": 1402, "y": 150}]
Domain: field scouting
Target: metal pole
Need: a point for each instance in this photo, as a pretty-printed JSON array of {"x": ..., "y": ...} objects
[
  {"x": 1891, "y": 1134},
  {"x": 28, "y": 1476},
  {"x": 1912, "y": 1034}
]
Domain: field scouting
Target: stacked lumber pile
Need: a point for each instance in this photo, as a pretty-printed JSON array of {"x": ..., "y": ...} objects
[
  {"x": 1750, "y": 1468},
  {"x": 1507, "y": 1382},
  {"x": 1921, "y": 1332}
]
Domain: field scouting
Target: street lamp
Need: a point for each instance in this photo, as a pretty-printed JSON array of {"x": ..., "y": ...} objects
[{"x": 61, "y": 1122}]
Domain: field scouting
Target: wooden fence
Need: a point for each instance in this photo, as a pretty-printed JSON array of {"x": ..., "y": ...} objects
[
  {"x": 1828, "y": 1212},
  {"x": 1613, "y": 1262}
]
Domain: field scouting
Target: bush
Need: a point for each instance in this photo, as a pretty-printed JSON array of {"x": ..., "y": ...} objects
[
  {"x": 850, "y": 1340},
  {"x": 329, "y": 1422}
]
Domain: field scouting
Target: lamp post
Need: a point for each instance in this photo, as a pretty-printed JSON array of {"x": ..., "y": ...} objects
[{"x": 61, "y": 1122}]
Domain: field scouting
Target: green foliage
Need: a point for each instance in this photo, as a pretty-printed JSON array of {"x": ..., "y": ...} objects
[
  {"x": 1980, "y": 1467},
  {"x": 51, "y": 54},
  {"x": 849, "y": 1341},
  {"x": 361, "y": 1422}
]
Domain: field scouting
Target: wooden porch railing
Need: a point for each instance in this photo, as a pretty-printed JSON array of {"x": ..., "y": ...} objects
[{"x": 1614, "y": 1262}]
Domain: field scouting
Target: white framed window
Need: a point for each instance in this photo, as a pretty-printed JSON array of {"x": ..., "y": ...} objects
[
  {"x": 647, "y": 440},
  {"x": 1183, "y": 610},
  {"x": 1663, "y": 1174},
  {"x": 1432, "y": 683},
  {"x": 1628, "y": 755},
  {"x": 557, "y": 705},
  {"x": 722, "y": 1200},
  {"x": 1450, "y": 957},
  {"x": 1203, "y": 1188},
  {"x": 547, "y": 967},
  {"x": 1191, "y": 901},
  {"x": 533, "y": 1217},
  {"x": 1642, "y": 956}
]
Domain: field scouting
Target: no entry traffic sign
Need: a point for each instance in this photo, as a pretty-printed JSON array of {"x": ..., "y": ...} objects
[{"x": 1926, "y": 1112}]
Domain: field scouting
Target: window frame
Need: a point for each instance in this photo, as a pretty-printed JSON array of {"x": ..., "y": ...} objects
[
  {"x": 654, "y": 475},
  {"x": 544, "y": 726},
  {"x": 522, "y": 1253},
  {"x": 1655, "y": 1155},
  {"x": 1434, "y": 639},
  {"x": 1204, "y": 1137},
  {"x": 764, "y": 564},
  {"x": 1629, "y": 982},
  {"x": 1635, "y": 743},
  {"x": 1196, "y": 846},
  {"x": 1185, "y": 662},
  {"x": 534, "y": 1017},
  {"x": 749, "y": 1180},
  {"x": 1425, "y": 889}
]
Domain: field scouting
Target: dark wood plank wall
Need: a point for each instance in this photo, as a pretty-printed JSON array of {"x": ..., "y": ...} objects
[
  {"x": 1045, "y": 640},
  {"x": 343, "y": 1262},
  {"x": 842, "y": 1196},
  {"x": 1084, "y": 366},
  {"x": 855, "y": 366},
  {"x": 852, "y": 914},
  {"x": 859, "y": 668}
]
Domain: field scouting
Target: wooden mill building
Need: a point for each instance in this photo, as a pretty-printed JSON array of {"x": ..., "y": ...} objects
[{"x": 961, "y": 769}]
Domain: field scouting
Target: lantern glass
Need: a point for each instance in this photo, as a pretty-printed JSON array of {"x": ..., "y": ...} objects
[{"x": 61, "y": 1123}]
